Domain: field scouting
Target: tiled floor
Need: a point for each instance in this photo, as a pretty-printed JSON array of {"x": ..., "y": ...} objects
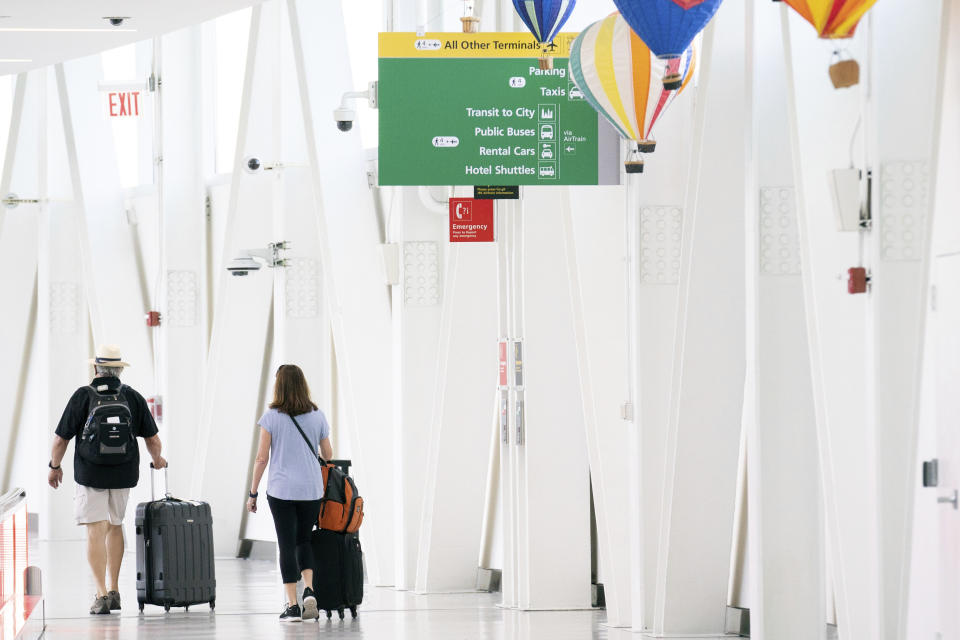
[{"x": 249, "y": 600}]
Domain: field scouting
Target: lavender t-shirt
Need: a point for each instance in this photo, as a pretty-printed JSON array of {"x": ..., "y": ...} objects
[{"x": 294, "y": 470}]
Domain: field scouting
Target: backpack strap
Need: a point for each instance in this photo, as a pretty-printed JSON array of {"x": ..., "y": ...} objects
[{"x": 309, "y": 446}]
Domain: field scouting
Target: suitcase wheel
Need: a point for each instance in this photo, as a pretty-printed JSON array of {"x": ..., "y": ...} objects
[
  {"x": 329, "y": 614},
  {"x": 340, "y": 613},
  {"x": 353, "y": 611}
]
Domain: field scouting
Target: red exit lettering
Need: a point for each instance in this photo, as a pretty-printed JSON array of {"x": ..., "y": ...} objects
[{"x": 126, "y": 103}]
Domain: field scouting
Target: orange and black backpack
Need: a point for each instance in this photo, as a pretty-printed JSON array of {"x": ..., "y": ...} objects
[{"x": 341, "y": 507}]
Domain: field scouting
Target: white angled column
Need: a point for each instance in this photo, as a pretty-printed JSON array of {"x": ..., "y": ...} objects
[
  {"x": 553, "y": 542},
  {"x": 349, "y": 235},
  {"x": 786, "y": 568},
  {"x": 904, "y": 171},
  {"x": 227, "y": 425},
  {"x": 18, "y": 259},
  {"x": 183, "y": 297},
  {"x": 703, "y": 437}
]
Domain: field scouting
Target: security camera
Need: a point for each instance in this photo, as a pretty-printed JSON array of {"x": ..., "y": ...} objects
[
  {"x": 243, "y": 266},
  {"x": 116, "y": 21},
  {"x": 252, "y": 165},
  {"x": 344, "y": 117}
]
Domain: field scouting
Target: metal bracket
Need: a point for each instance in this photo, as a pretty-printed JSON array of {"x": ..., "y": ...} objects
[{"x": 12, "y": 201}]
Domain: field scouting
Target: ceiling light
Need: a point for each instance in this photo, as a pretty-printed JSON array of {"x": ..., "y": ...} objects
[
  {"x": 59, "y": 30},
  {"x": 15, "y": 60}
]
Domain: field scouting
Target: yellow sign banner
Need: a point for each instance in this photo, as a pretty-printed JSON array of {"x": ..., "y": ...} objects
[{"x": 471, "y": 45}]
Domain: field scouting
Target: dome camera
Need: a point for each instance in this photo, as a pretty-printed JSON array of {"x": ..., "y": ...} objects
[
  {"x": 242, "y": 266},
  {"x": 252, "y": 165},
  {"x": 115, "y": 21},
  {"x": 344, "y": 117}
]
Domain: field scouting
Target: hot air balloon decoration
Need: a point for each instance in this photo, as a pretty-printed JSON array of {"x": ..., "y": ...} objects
[
  {"x": 668, "y": 27},
  {"x": 622, "y": 79},
  {"x": 835, "y": 19},
  {"x": 544, "y": 19}
]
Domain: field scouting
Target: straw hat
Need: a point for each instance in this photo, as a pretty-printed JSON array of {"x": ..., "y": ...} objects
[{"x": 108, "y": 355}]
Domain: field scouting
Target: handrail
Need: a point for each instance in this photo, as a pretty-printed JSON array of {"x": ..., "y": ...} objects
[{"x": 11, "y": 500}]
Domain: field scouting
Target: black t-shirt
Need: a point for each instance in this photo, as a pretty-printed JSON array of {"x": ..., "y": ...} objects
[{"x": 121, "y": 476}]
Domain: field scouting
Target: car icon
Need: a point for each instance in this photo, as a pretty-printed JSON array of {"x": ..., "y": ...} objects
[
  {"x": 575, "y": 93},
  {"x": 546, "y": 152}
]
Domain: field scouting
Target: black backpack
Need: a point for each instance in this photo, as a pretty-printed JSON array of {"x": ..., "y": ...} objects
[{"x": 108, "y": 437}]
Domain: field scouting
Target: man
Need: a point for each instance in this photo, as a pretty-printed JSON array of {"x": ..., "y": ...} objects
[{"x": 106, "y": 418}]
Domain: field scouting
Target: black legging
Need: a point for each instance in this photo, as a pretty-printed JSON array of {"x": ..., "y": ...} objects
[{"x": 294, "y": 519}]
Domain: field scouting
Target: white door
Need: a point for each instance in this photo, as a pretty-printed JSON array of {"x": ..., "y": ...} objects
[{"x": 947, "y": 336}]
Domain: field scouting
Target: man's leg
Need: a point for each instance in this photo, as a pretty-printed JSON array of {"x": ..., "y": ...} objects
[
  {"x": 114, "y": 555},
  {"x": 97, "y": 553}
]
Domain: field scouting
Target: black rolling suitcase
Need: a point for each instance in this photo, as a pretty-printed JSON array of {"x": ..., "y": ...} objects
[
  {"x": 338, "y": 576},
  {"x": 174, "y": 552}
]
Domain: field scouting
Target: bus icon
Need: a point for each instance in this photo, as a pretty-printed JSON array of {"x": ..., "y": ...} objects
[
  {"x": 546, "y": 132},
  {"x": 547, "y": 170}
]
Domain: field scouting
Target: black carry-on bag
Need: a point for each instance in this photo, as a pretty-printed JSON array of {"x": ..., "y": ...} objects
[
  {"x": 338, "y": 575},
  {"x": 174, "y": 551}
]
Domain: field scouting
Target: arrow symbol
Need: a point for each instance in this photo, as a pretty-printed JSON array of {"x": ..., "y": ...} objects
[{"x": 570, "y": 149}]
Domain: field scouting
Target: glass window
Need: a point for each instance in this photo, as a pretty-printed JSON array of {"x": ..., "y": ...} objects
[
  {"x": 124, "y": 109},
  {"x": 231, "y": 36},
  {"x": 7, "y": 87}
]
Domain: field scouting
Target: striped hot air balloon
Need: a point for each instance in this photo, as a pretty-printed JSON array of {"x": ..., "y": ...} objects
[
  {"x": 622, "y": 79},
  {"x": 544, "y": 19},
  {"x": 668, "y": 26},
  {"x": 832, "y": 18}
]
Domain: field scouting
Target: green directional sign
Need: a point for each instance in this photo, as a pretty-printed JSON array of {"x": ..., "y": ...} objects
[{"x": 477, "y": 109}]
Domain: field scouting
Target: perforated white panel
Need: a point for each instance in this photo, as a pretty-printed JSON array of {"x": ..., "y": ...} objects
[
  {"x": 779, "y": 235},
  {"x": 661, "y": 230},
  {"x": 302, "y": 288},
  {"x": 183, "y": 299},
  {"x": 64, "y": 307},
  {"x": 421, "y": 274},
  {"x": 904, "y": 199}
]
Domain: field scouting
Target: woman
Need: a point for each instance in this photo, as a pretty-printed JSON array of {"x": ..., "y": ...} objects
[{"x": 295, "y": 485}]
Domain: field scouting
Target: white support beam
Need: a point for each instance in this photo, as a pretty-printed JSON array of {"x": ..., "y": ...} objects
[
  {"x": 554, "y": 534},
  {"x": 459, "y": 429},
  {"x": 183, "y": 345},
  {"x": 703, "y": 438},
  {"x": 821, "y": 125},
  {"x": 787, "y": 598},
  {"x": 18, "y": 258},
  {"x": 593, "y": 231},
  {"x": 907, "y": 100},
  {"x": 226, "y": 429},
  {"x": 349, "y": 252}
]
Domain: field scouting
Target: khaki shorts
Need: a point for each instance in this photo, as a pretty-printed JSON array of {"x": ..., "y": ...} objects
[{"x": 96, "y": 505}]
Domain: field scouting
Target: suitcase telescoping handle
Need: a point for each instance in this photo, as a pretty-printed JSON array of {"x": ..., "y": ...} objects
[{"x": 166, "y": 483}]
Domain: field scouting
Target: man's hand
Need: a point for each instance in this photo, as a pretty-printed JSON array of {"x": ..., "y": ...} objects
[
  {"x": 55, "y": 478},
  {"x": 252, "y": 505},
  {"x": 159, "y": 462}
]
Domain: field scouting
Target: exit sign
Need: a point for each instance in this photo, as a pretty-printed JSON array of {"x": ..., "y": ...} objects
[{"x": 123, "y": 104}]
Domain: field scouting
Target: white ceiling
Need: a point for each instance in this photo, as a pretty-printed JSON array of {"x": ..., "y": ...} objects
[{"x": 148, "y": 18}]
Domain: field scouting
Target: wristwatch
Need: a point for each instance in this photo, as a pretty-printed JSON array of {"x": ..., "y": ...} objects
[
  {"x": 55, "y": 468},
  {"x": 254, "y": 495}
]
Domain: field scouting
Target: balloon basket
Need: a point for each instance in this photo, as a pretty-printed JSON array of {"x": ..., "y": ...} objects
[
  {"x": 672, "y": 81},
  {"x": 471, "y": 24},
  {"x": 647, "y": 146},
  {"x": 845, "y": 73},
  {"x": 633, "y": 166},
  {"x": 546, "y": 63}
]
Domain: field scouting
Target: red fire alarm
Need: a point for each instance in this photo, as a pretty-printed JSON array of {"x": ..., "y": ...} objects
[
  {"x": 155, "y": 404},
  {"x": 857, "y": 280},
  {"x": 153, "y": 318}
]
